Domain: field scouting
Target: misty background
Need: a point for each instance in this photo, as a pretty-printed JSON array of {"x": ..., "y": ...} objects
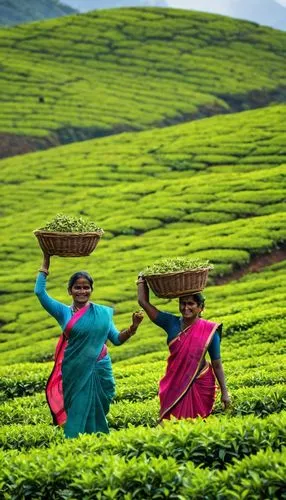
[{"x": 265, "y": 12}]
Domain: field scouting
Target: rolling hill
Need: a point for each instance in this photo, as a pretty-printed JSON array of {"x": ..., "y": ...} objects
[
  {"x": 210, "y": 188},
  {"x": 24, "y": 11},
  {"x": 213, "y": 188},
  {"x": 106, "y": 72}
]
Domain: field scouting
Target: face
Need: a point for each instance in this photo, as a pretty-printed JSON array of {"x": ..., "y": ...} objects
[
  {"x": 189, "y": 308},
  {"x": 80, "y": 291}
]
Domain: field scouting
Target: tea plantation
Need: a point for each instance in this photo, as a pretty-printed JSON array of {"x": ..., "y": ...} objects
[
  {"x": 105, "y": 72},
  {"x": 212, "y": 188}
]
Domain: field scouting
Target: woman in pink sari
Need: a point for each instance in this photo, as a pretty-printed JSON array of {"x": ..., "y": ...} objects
[{"x": 188, "y": 388}]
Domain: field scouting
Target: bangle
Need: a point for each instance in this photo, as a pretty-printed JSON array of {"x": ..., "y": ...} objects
[
  {"x": 45, "y": 271},
  {"x": 140, "y": 281}
]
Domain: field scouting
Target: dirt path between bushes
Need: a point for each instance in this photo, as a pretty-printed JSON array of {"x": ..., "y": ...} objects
[{"x": 256, "y": 265}]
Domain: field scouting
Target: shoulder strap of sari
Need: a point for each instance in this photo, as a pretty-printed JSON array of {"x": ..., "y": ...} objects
[
  {"x": 54, "y": 387},
  {"x": 74, "y": 319}
]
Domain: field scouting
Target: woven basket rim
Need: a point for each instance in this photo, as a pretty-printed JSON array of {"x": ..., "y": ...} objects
[
  {"x": 62, "y": 233},
  {"x": 176, "y": 295},
  {"x": 194, "y": 271}
]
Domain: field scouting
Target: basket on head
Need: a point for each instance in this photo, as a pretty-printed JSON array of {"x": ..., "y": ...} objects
[
  {"x": 177, "y": 284},
  {"x": 67, "y": 244}
]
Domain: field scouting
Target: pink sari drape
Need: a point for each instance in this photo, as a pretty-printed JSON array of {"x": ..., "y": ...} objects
[
  {"x": 54, "y": 387},
  {"x": 185, "y": 392}
]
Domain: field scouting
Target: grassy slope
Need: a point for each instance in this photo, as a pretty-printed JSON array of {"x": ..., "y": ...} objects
[
  {"x": 23, "y": 11},
  {"x": 125, "y": 69},
  {"x": 212, "y": 188}
]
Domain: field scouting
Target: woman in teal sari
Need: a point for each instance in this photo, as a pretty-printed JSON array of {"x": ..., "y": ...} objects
[{"x": 81, "y": 385}]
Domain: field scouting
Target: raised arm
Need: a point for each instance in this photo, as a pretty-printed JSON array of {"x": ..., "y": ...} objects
[
  {"x": 118, "y": 338},
  {"x": 126, "y": 333},
  {"x": 46, "y": 264},
  {"x": 143, "y": 298},
  {"x": 59, "y": 311}
]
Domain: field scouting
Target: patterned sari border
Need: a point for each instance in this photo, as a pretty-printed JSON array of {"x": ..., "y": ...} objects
[{"x": 178, "y": 336}]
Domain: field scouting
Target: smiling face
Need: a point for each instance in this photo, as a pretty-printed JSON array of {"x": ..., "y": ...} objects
[
  {"x": 80, "y": 292},
  {"x": 189, "y": 309}
]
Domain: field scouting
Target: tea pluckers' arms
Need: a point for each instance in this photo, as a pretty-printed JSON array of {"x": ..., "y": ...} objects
[
  {"x": 46, "y": 264},
  {"x": 143, "y": 298},
  {"x": 137, "y": 318}
]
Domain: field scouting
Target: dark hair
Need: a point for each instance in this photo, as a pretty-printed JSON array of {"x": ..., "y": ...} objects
[
  {"x": 76, "y": 276},
  {"x": 198, "y": 298}
]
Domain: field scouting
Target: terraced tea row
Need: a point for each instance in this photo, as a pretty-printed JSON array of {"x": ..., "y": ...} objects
[
  {"x": 134, "y": 386},
  {"x": 67, "y": 473},
  {"x": 241, "y": 142},
  {"x": 257, "y": 400},
  {"x": 85, "y": 76},
  {"x": 214, "y": 443}
]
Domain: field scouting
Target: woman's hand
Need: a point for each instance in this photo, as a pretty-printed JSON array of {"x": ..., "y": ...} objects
[
  {"x": 125, "y": 334},
  {"x": 225, "y": 400},
  {"x": 141, "y": 280},
  {"x": 137, "y": 318}
]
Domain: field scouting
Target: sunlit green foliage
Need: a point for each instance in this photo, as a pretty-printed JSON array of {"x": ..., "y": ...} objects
[
  {"x": 65, "y": 223},
  {"x": 85, "y": 76},
  {"x": 176, "y": 264}
]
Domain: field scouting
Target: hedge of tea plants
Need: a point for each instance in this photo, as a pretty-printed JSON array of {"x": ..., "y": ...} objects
[{"x": 90, "y": 75}]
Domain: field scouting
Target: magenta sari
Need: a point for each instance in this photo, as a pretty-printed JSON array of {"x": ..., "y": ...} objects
[
  {"x": 188, "y": 388},
  {"x": 54, "y": 387}
]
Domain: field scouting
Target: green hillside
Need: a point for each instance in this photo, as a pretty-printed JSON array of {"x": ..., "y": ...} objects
[
  {"x": 23, "y": 11},
  {"x": 92, "y": 75},
  {"x": 212, "y": 188}
]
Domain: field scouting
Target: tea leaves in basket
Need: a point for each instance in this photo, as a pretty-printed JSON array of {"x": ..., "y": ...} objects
[
  {"x": 68, "y": 224},
  {"x": 176, "y": 264}
]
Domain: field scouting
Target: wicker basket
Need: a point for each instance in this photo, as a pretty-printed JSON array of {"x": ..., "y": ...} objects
[
  {"x": 177, "y": 284},
  {"x": 67, "y": 244}
]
